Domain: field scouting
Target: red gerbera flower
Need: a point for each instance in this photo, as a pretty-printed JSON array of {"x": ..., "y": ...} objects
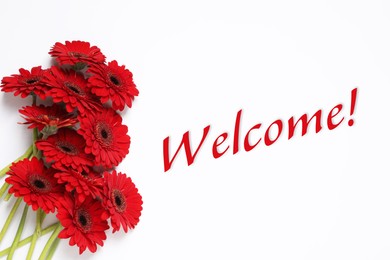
[
  {"x": 26, "y": 83},
  {"x": 82, "y": 222},
  {"x": 32, "y": 181},
  {"x": 52, "y": 117},
  {"x": 75, "y": 52},
  {"x": 122, "y": 200},
  {"x": 65, "y": 149},
  {"x": 83, "y": 183},
  {"x": 113, "y": 83},
  {"x": 106, "y": 138},
  {"x": 70, "y": 88}
]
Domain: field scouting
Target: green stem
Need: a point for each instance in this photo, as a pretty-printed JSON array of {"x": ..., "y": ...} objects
[
  {"x": 32, "y": 246},
  {"x": 35, "y": 130},
  {"x": 28, "y": 239},
  {"x": 53, "y": 249},
  {"x": 7, "y": 197},
  {"x": 25, "y": 155},
  {"x": 50, "y": 242},
  {"x": 18, "y": 234},
  {"x": 35, "y": 138},
  {"x": 43, "y": 215},
  {"x": 3, "y": 189},
  {"x": 36, "y": 235},
  {"x": 40, "y": 217},
  {"x": 34, "y": 99},
  {"x": 9, "y": 219}
]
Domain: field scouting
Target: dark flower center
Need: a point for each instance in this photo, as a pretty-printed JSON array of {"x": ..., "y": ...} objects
[
  {"x": 103, "y": 134},
  {"x": 84, "y": 174},
  {"x": 114, "y": 80},
  {"x": 32, "y": 81},
  {"x": 39, "y": 183},
  {"x": 47, "y": 117},
  {"x": 67, "y": 148},
  {"x": 76, "y": 54},
  {"x": 74, "y": 88},
  {"x": 119, "y": 200},
  {"x": 83, "y": 219}
]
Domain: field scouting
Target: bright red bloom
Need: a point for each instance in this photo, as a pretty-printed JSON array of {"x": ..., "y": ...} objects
[
  {"x": 37, "y": 185},
  {"x": 65, "y": 149},
  {"x": 83, "y": 183},
  {"x": 26, "y": 83},
  {"x": 113, "y": 83},
  {"x": 75, "y": 52},
  {"x": 70, "y": 88},
  {"x": 82, "y": 222},
  {"x": 52, "y": 116},
  {"x": 106, "y": 137},
  {"x": 122, "y": 200}
]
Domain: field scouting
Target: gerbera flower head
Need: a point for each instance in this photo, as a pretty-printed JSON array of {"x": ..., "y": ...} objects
[
  {"x": 50, "y": 117},
  {"x": 26, "y": 83},
  {"x": 76, "y": 52},
  {"x": 106, "y": 137},
  {"x": 71, "y": 88},
  {"x": 65, "y": 149},
  {"x": 84, "y": 183},
  {"x": 36, "y": 184},
  {"x": 82, "y": 222},
  {"x": 122, "y": 201},
  {"x": 113, "y": 82}
]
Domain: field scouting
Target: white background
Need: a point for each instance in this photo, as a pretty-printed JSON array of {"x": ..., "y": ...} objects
[{"x": 321, "y": 196}]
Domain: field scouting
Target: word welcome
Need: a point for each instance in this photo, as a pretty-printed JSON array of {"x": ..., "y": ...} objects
[{"x": 331, "y": 123}]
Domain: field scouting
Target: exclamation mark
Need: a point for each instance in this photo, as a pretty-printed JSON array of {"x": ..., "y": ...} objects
[{"x": 353, "y": 103}]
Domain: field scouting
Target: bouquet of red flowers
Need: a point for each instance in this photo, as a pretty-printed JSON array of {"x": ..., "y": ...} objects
[{"x": 78, "y": 140}]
